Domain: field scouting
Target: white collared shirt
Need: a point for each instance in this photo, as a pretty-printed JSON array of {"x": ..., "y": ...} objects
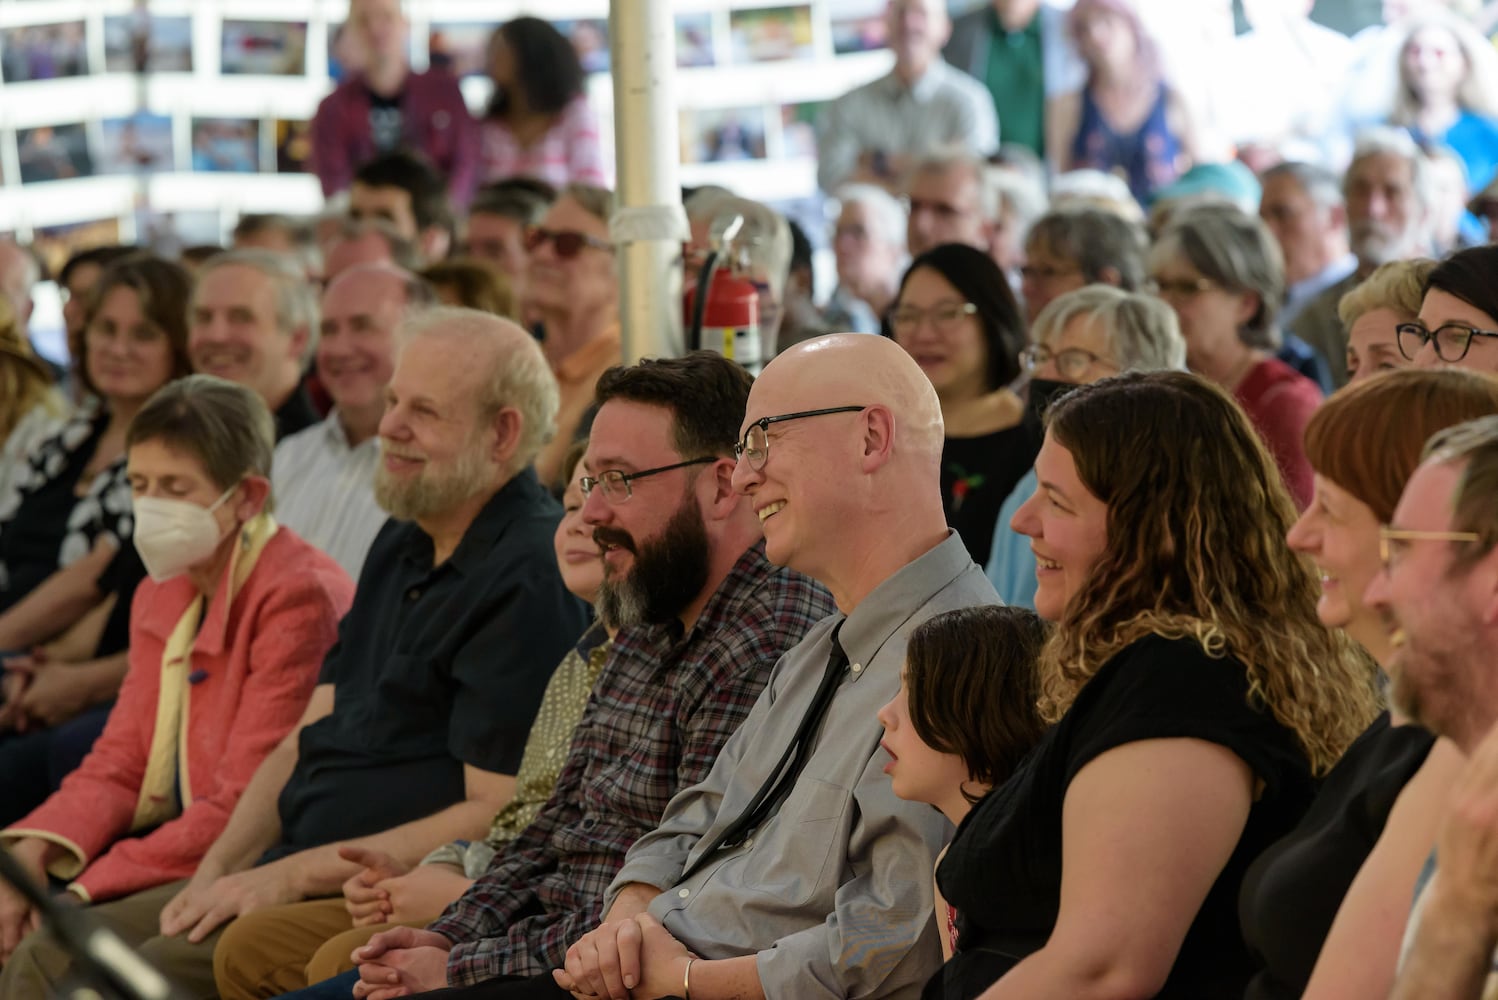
[{"x": 324, "y": 491}]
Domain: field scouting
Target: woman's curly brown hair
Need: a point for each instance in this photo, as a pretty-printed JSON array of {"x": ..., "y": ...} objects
[{"x": 1197, "y": 516}]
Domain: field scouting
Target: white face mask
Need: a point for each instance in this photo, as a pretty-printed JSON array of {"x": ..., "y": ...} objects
[{"x": 173, "y": 535}]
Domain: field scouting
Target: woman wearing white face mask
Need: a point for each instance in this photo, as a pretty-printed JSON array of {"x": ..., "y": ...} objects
[{"x": 227, "y": 638}]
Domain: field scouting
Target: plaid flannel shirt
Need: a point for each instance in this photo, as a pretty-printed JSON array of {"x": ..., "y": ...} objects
[{"x": 661, "y": 710}]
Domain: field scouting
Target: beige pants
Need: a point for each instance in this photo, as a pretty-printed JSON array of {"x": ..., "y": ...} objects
[
  {"x": 286, "y": 948},
  {"x": 40, "y": 965}
]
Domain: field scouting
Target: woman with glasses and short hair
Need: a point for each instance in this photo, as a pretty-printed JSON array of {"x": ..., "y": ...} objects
[
  {"x": 1458, "y": 321},
  {"x": 1081, "y": 337},
  {"x": 955, "y": 315},
  {"x": 1221, "y": 271}
]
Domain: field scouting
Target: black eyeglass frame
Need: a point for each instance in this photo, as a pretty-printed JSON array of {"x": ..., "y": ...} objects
[
  {"x": 607, "y": 476},
  {"x": 763, "y": 423},
  {"x": 1425, "y": 336}
]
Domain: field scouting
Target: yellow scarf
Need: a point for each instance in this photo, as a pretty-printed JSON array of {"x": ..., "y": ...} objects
[{"x": 166, "y": 767}]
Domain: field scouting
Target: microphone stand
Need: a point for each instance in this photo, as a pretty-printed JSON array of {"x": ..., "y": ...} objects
[{"x": 102, "y": 959}]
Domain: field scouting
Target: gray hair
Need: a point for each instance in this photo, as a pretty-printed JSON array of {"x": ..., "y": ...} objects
[
  {"x": 1142, "y": 331},
  {"x": 1236, "y": 250},
  {"x": 1398, "y": 286},
  {"x": 887, "y": 220},
  {"x": 224, "y": 425},
  {"x": 1474, "y": 502},
  {"x": 1016, "y": 194},
  {"x": 1093, "y": 239},
  {"x": 598, "y": 202},
  {"x": 1386, "y": 140},
  {"x": 520, "y": 378},
  {"x": 1321, "y": 185},
  {"x": 946, "y": 159},
  {"x": 296, "y": 305},
  {"x": 1095, "y": 189},
  {"x": 402, "y": 250}
]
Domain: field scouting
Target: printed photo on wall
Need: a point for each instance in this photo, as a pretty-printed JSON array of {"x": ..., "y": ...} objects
[
  {"x": 264, "y": 48},
  {"x": 53, "y": 153},
  {"x": 142, "y": 42},
  {"x": 226, "y": 145},
  {"x": 771, "y": 34},
  {"x": 138, "y": 144},
  {"x": 43, "y": 52},
  {"x": 461, "y": 48}
]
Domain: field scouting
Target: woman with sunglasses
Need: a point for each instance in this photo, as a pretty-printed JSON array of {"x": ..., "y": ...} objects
[
  {"x": 1194, "y": 696},
  {"x": 1221, "y": 271},
  {"x": 572, "y": 288},
  {"x": 1364, "y": 443},
  {"x": 955, "y": 315},
  {"x": 1458, "y": 322}
]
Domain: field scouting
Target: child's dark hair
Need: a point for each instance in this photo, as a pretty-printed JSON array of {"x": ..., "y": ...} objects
[{"x": 972, "y": 687}]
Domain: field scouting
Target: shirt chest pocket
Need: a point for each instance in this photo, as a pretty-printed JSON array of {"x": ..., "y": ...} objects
[{"x": 803, "y": 846}]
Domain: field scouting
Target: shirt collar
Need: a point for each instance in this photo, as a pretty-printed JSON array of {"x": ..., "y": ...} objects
[
  {"x": 512, "y": 500},
  {"x": 663, "y": 642},
  {"x": 588, "y": 360},
  {"x": 334, "y": 429},
  {"x": 888, "y": 608},
  {"x": 923, "y": 89}
]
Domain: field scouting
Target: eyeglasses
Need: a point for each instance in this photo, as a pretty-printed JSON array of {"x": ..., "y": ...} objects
[
  {"x": 756, "y": 443},
  {"x": 1182, "y": 287},
  {"x": 944, "y": 317},
  {"x": 568, "y": 242},
  {"x": 1452, "y": 340},
  {"x": 1389, "y": 540},
  {"x": 1071, "y": 362},
  {"x": 615, "y": 485}
]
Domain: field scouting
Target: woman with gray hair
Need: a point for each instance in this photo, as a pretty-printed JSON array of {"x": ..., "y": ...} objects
[
  {"x": 1222, "y": 273},
  {"x": 226, "y": 641},
  {"x": 1080, "y": 337}
]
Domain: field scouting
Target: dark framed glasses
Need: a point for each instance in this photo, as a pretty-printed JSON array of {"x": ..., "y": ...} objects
[
  {"x": 1452, "y": 340},
  {"x": 756, "y": 443},
  {"x": 615, "y": 484},
  {"x": 568, "y": 242}
]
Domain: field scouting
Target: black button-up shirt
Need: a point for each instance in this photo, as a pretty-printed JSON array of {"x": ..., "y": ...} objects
[{"x": 435, "y": 667}]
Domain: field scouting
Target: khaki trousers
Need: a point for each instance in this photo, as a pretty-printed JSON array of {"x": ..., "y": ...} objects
[
  {"x": 39, "y": 966},
  {"x": 285, "y": 948}
]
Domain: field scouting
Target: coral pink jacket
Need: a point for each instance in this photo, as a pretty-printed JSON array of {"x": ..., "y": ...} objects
[{"x": 253, "y": 666}]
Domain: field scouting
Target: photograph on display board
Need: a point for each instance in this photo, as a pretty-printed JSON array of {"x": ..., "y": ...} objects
[
  {"x": 139, "y": 143},
  {"x": 590, "y": 39},
  {"x": 771, "y": 34},
  {"x": 461, "y": 48},
  {"x": 293, "y": 146},
  {"x": 141, "y": 42},
  {"x": 859, "y": 30},
  {"x": 264, "y": 48},
  {"x": 53, "y": 153},
  {"x": 798, "y": 129},
  {"x": 694, "y": 39},
  {"x": 226, "y": 145},
  {"x": 722, "y": 135},
  {"x": 43, "y": 52},
  {"x": 55, "y": 244}
]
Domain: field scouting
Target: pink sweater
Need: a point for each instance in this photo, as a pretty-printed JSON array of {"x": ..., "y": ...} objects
[{"x": 253, "y": 668}]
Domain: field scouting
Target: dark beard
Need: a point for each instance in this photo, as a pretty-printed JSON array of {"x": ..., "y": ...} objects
[{"x": 669, "y": 572}]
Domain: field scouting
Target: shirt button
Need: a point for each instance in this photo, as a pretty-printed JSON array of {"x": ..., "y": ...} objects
[
  {"x": 748, "y": 843},
  {"x": 856, "y": 668},
  {"x": 414, "y": 594},
  {"x": 683, "y": 893}
]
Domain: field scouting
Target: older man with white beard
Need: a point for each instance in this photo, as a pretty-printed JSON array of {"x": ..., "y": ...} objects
[
  {"x": 416, "y": 727},
  {"x": 1388, "y": 218}
]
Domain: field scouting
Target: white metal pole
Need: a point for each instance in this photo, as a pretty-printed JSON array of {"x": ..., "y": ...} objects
[{"x": 650, "y": 225}]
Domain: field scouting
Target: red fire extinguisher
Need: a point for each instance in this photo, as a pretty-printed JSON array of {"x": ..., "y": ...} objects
[{"x": 728, "y": 319}]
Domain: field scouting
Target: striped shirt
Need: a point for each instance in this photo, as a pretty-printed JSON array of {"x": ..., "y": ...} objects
[
  {"x": 662, "y": 708},
  {"x": 570, "y": 152},
  {"x": 324, "y": 491}
]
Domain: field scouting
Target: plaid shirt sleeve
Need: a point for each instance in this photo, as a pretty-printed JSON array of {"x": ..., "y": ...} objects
[{"x": 653, "y": 726}]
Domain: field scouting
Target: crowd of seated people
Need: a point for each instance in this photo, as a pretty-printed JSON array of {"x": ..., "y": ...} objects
[{"x": 1104, "y": 607}]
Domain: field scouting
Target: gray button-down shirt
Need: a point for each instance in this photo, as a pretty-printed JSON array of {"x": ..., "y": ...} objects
[
  {"x": 946, "y": 107},
  {"x": 833, "y": 892}
]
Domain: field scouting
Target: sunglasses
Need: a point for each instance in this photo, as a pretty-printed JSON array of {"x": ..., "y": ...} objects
[{"x": 568, "y": 243}]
